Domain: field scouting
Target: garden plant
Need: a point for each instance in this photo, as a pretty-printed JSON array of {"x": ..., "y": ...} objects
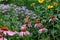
[{"x": 29, "y": 19}]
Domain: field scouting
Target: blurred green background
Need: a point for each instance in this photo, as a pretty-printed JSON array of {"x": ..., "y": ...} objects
[{"x": 14, "y": 22}]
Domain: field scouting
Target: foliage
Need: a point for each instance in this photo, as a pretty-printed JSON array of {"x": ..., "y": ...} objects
[{"x": 13, "y": 12}]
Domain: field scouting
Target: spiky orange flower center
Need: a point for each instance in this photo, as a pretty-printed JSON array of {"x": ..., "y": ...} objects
[
  {"x": 4, "y": 28},
  {"x": 52, "y": 17},
  {"x": 24, "y": 30}
]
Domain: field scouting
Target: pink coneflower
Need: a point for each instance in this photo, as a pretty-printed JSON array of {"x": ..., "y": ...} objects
[
  {"x": 11, "y": 33},
  {"x": 1, "y": 31},
  {"x": 42, "y": 28},
  {"x": 24, "y": 31},
  {"x": 4, "y": 29},
  {"x": 26, "y": 24},
  {"x": 53, "y": 18},
  {"x": 38, "y": 23},
  {"x": 7, "y": 31},
  {"x": 2, "y": 38}
]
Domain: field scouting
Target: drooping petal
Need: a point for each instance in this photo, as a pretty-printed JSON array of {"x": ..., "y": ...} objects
[
  {"x": 5, "y": 32},
  {"x": 1, "y": 30},
  {"x": 54, "y": 19},
  {"x": 27, "y": 33},
  {"x": 38, "y": 25},
  {"x": 21, "y": 33},
  {"x": 29, "y": 25},
  {"x": 24, "y": 33},
  {"x": 50, "y": 20},
  {"x": 41, "y": 30},
  {"x": 10, "y": 33},
  {"x": 23, "y": 25},
  {"x": 3, "y": 39}
]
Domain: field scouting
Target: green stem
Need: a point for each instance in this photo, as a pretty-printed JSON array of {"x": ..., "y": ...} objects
[
  {"x": 38, "y": 36},
  {"x": 43, "y": 37},
  {"x": 53, "y": 31}
]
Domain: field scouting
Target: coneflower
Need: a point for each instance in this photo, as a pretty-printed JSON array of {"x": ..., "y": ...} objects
[
  {"x": 26, "y": 24},
  {"x": 38, "y": 23},
  {"x": 6, "y": 31},
  {"x": 42, "y": 28},
  {"x": 53, "y": 18},
  {"x": 24, "y": 31}
]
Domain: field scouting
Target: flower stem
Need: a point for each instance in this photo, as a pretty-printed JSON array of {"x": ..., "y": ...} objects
[
  {"x": 53, "y": 31},
  {"x": 38, "y": 36}
]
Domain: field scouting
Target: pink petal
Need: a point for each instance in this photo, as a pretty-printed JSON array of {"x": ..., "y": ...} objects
[
  {"x": 27, "y": 33},
  {"x": 50, "y": 20},
  {"x": 37, "y": 25},
  {"x": 1, "y": 30},
  {"x": 5, "y": 32},
  {"x": 23, "y": 28},
  {"x": 2, "y": 39},
  {"x": 21, "y": 33},
  {"x": 44, "y": 29},
  {"x": 11, "y": 33},
  {"x": 24, "y": 33},
  {"x": 55, "y": 19},
  {"x": 29, "y": 25},
  {"x": 40, "y": 31},
  {"x": 23, "y": 25}
]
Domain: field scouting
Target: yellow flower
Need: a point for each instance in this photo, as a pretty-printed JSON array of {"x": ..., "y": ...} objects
[
  {"x": 50, "y": 7},
  {"x": 28, "y": 16},
  {"x": 26, "y": 19},
  {"x": 32, "y": 4},
  {"x": 37, "y": 19},
  {"x": 40, "y": 1},
  {"x": 27, "y": 22},
  {"x": 55, "y": 4},
  {"x": 48, "y": 0}
]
